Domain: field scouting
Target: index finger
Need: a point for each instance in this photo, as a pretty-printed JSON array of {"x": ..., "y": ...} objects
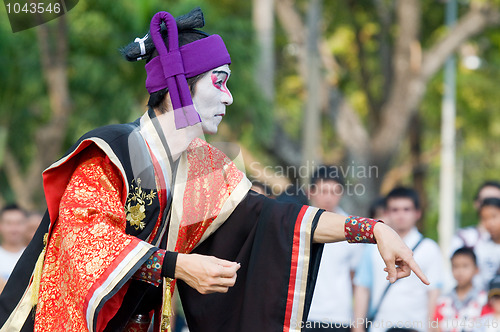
[{"x": 416, "y": 269}]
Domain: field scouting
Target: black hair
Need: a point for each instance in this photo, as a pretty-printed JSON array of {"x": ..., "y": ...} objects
[
  {"x": 327, "y": 172},
  {"x": 11, "y": 207},
  {"x": 488, "y": 183},
  {"x": 264, "y": 187},
  {"x": 376, "y": 204},
  {"x": 465, "y": 251},
  {"x": 294, "y": 193},
  {"x": 187, "y": 28},
  {"x": 490, "y": 201},
  {"x": 404, "y": 192}
]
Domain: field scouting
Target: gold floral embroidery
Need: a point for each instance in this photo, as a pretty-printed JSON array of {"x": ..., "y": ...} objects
[{"x": 136, "y": 213}]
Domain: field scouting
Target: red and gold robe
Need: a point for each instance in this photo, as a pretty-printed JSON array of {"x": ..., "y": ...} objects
[{"x": 109, "y": 211}]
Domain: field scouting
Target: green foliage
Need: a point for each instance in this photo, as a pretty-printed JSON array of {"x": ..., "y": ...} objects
[
  {"x": 478, "y": 132},
  {"x": 104, "y": 88}
]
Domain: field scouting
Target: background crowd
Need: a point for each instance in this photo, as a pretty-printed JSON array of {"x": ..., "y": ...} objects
[{"x": 352, "y": 293}]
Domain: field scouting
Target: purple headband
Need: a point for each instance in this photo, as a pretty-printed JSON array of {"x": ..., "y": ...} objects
[{"x": 171, "y": 67}]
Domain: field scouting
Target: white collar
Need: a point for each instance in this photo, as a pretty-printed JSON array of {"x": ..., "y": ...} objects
[{"x": 412, "y": 238}]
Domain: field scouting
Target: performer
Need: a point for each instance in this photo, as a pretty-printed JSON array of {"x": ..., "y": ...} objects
[{"x": 133, "y": 207}]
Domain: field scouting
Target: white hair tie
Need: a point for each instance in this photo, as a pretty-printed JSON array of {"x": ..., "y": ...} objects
[{"x": 141, "y": 43}]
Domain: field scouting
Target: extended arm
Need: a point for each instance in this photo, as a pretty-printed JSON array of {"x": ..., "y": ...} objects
[{"x": 397, "y": 256}]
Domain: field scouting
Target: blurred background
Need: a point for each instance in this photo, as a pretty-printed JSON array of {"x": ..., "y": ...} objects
[{"x": 357, "y": 84}]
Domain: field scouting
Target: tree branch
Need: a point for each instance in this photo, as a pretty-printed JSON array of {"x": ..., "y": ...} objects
[
  {"x": 43, "y": 35},
  {"x": 17, "y": 181},
  {"x": 384, "y": 12},
  {"x": 365, "y": 75},
  {"x": 396, "y": 113},
  {"x": 348, "y": 125},
  {"x": 295, "y": 29},
  {"x": 61, "y": 38},
  {"x": 410, "y": 87},
  {"x": 344, "y": 118},
  {"x": 284, "y": 149},
  {"x": 328, "y": 60},
  {"x": 474, "y": 22}
]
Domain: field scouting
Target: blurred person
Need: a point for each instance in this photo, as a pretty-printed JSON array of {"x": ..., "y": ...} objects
[
  {"x": 470, "y": 236},
  {"x": 488, "y": 189},
  {"x": 12, "y": 232},
  {"x": 326, "y": 189},
  {"x": 331, "y": 307},
  {"x": 487, "y": 249},
  {"x": 491, "y": 322},
  {"x": 379, "y": 305},
  {"x": 33, "y": 221},
  {"x": 294, "y": 193},
  {"x": 261, "y": 188},
  {"x": 377, "y": 209},
  {"x": 459, "y": 309},
  {"x": 133, "y": 207}
]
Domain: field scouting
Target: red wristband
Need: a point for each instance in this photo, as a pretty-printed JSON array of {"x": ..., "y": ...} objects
[{"x": 359, "y": 229}]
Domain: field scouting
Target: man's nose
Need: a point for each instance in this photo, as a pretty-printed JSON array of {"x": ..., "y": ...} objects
[{"x": 227, "y": 98}]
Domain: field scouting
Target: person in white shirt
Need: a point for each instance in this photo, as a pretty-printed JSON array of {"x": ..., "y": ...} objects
[
  {"x": 405, "y": 304},
  {"x": 331, "y": 307},
  {"x": 470, "y": 236},
  {"x": 487, "y": 249},
  {"x": 12, "y": 232}
]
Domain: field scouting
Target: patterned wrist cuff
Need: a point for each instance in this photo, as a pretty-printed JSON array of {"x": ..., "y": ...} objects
[
  {"x": 359, "y": 229},
  {"x": 150, "y": 271}
]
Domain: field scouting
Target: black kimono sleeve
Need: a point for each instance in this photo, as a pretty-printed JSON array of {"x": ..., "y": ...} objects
[{"x": 279, "y": 264}]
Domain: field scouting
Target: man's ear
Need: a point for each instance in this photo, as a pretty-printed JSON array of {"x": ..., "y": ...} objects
[
  {"x": 419, "y": 214},
  {"x": 166, "y": 104},
  {"x": 308, "y": 191}
]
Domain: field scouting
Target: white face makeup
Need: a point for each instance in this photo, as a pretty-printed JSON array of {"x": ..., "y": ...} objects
[{"x": 211, "y": 96}]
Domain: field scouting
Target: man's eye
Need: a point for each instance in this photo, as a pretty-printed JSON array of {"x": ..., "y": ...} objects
[{"x": 218, "y": 83}]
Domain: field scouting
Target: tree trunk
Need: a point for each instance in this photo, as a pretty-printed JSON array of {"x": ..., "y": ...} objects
[
  {"x": 418, "y": 167},
  {"x": 311, "y": 129},
  {"x": 263, "y": 22},
  {"x": 49, "y": 138}
]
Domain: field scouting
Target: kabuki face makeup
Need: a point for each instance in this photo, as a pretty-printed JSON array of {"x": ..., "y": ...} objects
[{"x": 211, "y": 96}]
